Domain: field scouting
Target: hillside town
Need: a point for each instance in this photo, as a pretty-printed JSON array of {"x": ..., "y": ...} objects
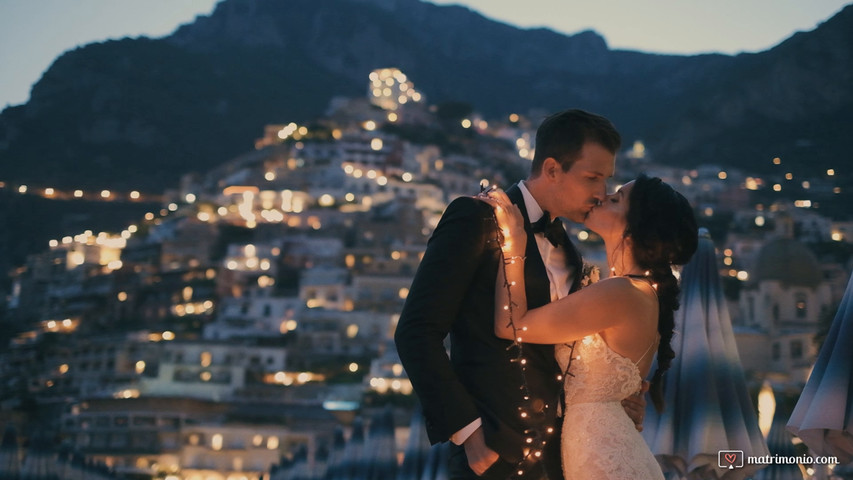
[{"x": 249, "y": 322}]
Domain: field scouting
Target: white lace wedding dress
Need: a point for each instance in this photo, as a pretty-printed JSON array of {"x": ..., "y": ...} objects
[{"x": 599, "y": 440}]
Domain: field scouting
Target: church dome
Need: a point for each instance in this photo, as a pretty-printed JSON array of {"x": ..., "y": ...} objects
[{"x": 789, "y": 262}]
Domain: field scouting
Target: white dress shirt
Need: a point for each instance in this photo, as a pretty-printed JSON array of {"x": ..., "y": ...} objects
[{"x": 554, "y": 258}]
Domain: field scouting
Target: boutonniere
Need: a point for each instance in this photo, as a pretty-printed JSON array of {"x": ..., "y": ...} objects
[{"x": 591, "y": 274}]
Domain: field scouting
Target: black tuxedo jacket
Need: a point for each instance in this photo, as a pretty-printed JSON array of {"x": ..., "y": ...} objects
[{"x": 453, "y": 293}]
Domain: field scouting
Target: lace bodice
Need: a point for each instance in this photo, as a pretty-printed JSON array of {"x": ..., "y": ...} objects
[
  {"x": 598, "y": 439},
  {"x": 598, "y": 374}
]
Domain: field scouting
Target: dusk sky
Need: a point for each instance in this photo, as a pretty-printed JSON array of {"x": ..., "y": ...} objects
[{"x": 33, "y": 33}]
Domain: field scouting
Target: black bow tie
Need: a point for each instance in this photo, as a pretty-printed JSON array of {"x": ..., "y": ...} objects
[{"x": 553, "y": 230}]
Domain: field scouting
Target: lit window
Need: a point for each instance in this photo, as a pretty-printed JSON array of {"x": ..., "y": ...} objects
[
  {"x": 802, "y": 310},
  {"x": 352, "y": 331},
  {"x": 272, "y": 443}
]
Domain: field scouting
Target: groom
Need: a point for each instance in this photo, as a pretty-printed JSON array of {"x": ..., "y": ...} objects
[{"x": 475, "y": 398}]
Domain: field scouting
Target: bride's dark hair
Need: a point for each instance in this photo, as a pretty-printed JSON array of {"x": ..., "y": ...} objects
[{"x": 663, "y": 233}]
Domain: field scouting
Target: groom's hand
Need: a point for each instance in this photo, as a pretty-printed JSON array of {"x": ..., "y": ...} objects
[
  {"x": 635, "y": 406},
  {"x": 480, "y": 456}
]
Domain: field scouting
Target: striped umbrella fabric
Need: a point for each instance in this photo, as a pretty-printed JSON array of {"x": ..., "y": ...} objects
[
  {"x": 780, "y": 446},
  {"x": 352, "y": 466},
  {"x": 436, "y": 464},
  {"x": 282, "y": 470},
  {"x": 321, "y": 462},
  {"x": 708, "y": 408},
  {"x": 334, "y": 464},
  {"x": 417, "y": 449},
  {"x": 823, "y": 416},
  {"x": 300, "y": 468},
  {"x": 380, "y": 452}
]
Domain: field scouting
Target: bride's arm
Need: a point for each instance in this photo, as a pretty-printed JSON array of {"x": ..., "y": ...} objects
[{"x": 589, "y": 311}]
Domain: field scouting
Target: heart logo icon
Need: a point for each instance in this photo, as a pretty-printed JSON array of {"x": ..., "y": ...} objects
[{"x": 731, "y": 457}]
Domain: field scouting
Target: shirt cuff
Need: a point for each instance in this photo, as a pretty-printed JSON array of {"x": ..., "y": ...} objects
[{"x": 459, "y": 437}]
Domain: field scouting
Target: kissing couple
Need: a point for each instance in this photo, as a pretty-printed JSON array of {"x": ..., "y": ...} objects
[{"x": 543, "y": 378}]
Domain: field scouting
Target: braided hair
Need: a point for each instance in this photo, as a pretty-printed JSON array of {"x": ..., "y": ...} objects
[{"x": 663, "y": 231}]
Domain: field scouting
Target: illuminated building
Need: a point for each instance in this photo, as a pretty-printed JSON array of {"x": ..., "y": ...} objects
[
  {"x": 276, "y": 134},
  {"x": 368, "y": 150},
  {"x": 324, "y": 287},
  {"x": 189, "y": 244},
  {"x": 211, "y": 370},
  {"x": 386, "y": 373},
  {"x": 193, "y": 439},
  {"x": 380, "y": 292},
  {"x": 104, "y": 366},
  {"x": 781, "y": 303},
  {"x": 382, "y": 189},
  {"x": 842, "y": 232},
  {"x": 390, "y": 89},
  {"x": 257, "y": 313},
  {"x": 340, "y": 335}
]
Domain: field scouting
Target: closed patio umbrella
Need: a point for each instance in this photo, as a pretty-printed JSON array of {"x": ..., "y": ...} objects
[
  {"x": 823, "y": 416},
  {"x": 380, "y": 449},
  {"x": 780, "y": 444},
  {"x": 708, "y": 408},
  {"x": 417, "y": 449}
]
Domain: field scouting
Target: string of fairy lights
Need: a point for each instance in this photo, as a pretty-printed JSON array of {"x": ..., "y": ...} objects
[{"x": 536, "y": 439}]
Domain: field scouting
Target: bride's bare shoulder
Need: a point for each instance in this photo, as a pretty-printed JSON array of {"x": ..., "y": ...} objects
[{"x": 630, "y": 292}]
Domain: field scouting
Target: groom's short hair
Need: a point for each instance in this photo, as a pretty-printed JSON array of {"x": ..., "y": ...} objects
[{"x": 562, "y": 135}]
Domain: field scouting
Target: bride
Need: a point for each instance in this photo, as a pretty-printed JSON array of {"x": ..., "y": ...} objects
[{"x": 607, "y": 333}]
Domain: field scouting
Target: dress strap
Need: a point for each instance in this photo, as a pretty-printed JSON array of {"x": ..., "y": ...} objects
[
  {"x": 648, "y": 279},
  {"x": 652, "y": 284},
  {"x": 657, "y": 338}
]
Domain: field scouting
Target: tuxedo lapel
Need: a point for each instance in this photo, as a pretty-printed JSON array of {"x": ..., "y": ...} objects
[{"x": 538, "y": 287}]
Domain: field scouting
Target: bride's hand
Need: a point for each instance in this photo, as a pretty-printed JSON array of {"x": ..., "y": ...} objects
[{"x": 510, "y": 221}]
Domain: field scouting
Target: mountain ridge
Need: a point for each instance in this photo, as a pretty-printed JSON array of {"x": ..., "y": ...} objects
[{"x": 141, "y": 112}]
